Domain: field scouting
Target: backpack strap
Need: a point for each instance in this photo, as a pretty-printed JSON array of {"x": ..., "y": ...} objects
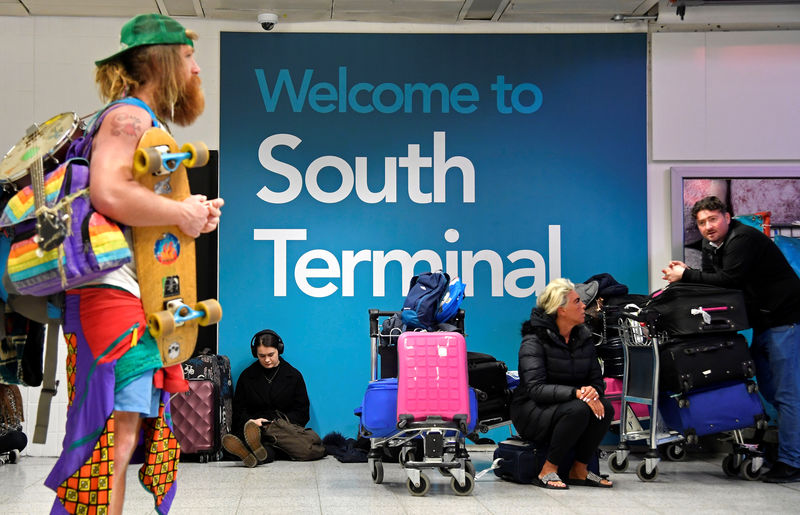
[
  {"x": 49, "y": 382},
  {"x": 82, "y": 147}
]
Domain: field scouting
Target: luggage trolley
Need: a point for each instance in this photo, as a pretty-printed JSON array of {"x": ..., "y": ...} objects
[
  {"x": 640, "y": 384},
  {"x": 430, "y": 443}
]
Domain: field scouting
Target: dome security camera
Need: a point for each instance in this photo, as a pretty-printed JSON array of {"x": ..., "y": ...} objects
[{"x": 268, "y": 20}]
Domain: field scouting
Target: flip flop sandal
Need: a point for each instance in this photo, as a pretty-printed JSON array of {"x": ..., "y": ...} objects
[
  {"x": 592, "y": 479},
  {"x": 552, "y": 477}
]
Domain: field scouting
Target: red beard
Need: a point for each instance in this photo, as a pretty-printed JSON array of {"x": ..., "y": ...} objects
[{"x": 190, "y": 104}]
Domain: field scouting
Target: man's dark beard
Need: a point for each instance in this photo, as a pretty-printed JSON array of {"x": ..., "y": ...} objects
[{"x": 191, "y": 102}]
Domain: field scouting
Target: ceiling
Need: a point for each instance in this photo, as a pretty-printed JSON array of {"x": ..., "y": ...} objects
[
  {"x": 297, "y": 11},
  {"x": 700, "y": 14}
]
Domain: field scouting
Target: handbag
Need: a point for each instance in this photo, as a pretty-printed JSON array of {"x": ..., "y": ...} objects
[
  {"x": 93, "y": 246},
  {"x": 300, "y": 443}
]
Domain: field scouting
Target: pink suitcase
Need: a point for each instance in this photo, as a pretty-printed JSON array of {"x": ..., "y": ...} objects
[
  {"x": 614, "y": 394},
  {"x": 432, "y": 375}
]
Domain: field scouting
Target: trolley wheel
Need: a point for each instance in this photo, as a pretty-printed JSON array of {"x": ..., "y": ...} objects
[
  {"x": 470, "y": 468},
  {"x": 422, "y": 489},
  {"x": 377, "y": 472},
  {"x": 146, "y": 160},
  {"x": 761, "y": 424},
  {"x": 198, "y": 154},
  {"x": 683, "y": 403},
  {"x": 160, "y": 323},
  {"x": 749, "y": 472},
  {"x": 616, "y": 466},
  {"x": 676, "y": 452},
  {"x": 406, "y": 455},
  {"x": 212, "y": 310},
  {"x": 729, "y": 466},
  {"x": 641, "y": 472},
  {"x": 469, "y": 485},
  {"x": 13, "y": 456}
]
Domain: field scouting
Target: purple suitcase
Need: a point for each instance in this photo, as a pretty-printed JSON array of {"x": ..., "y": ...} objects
[
  {"x": 194, "y": 419},
  {"x": 216, "y": 370}
]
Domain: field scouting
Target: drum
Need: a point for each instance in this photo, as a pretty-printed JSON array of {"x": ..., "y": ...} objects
[{"x": 48, "y": 141}]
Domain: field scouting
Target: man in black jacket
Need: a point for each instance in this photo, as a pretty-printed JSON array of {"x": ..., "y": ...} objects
[
  {"x": 742, "y": 257},
  {"x": 265, "y": 390}
]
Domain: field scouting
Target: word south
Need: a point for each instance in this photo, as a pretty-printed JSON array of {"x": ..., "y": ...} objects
[{"x": 355, "y": 176}]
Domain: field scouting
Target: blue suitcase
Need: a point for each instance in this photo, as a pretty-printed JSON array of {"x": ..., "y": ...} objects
[
  {"x": 378, "y": 412},
  {"x": 715, "y": 409}
]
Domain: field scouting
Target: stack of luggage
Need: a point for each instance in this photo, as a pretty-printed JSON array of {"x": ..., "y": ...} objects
[
  {"x": 603, "y": 319},
  {"x": 706, "y": 371}
]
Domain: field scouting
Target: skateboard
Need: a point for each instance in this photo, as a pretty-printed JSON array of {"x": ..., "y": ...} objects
[{"x": 165, "y": 256}]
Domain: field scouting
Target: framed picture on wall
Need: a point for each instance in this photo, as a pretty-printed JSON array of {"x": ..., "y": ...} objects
[{"x": 747, "y": 190}]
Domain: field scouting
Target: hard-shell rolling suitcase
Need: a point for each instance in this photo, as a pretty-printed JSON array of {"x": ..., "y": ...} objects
[
  {"x": 702, "y": 361},
  {"x": 389, "y": 330},
  {"x": 687, "y": 308},
  {"x": 216, "y": 369},
  {"x": 378, "y": 411},
  {"x": 194, "y": 416},
  {"x": 714, "y": 409},
  {"x": 521, "y": 461},
  {"x": 432, "y": 376}
]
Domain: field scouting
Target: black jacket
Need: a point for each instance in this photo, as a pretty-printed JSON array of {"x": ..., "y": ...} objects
[
  {"x": 750, "y": 261},
  {"x": 550, "y": 370},
  {"x": 255, "y": 397}
]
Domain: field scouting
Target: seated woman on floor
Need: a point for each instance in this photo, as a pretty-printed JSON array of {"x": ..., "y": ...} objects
[
  {"x": 560, "y": 400},
  {"x": 265, "y": 390}
]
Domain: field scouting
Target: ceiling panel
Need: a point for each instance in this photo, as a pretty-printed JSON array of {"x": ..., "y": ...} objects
[
  {"x": 424, "y": 11},
  {"x": 88, "y": 7}
]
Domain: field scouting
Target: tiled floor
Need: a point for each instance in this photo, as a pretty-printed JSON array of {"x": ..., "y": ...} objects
[{"x": 697, "y": 485}]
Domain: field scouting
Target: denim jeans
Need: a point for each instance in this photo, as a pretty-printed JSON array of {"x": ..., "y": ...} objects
[{"x": 776, "y": 353}]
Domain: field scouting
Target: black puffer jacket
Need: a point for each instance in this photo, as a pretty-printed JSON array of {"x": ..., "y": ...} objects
[{"x": 550, "y": 370}]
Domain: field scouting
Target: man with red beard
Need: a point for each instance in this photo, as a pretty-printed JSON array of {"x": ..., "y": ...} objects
[{"x": 119, "y": 392}]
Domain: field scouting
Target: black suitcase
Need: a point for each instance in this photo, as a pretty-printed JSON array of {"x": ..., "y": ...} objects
[
  {"x": 495, "y": 410},
  {"x": 522, "y": 461},
  {"x": 612, "y": 355},
  {"x": 683, "y": 309},
  {"x": 215, "y": 369},
  {"x": 487, "y": 376},
  {"x": 702, "y": 361}
]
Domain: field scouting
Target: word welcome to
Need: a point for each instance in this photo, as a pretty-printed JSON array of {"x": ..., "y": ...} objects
[{"x": 389, "y": 97}]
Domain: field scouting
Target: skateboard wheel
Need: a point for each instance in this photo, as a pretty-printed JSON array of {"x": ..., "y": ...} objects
[
  {"x": 161, "y": 323},
  {"x": 198, "y": 154},
  {"x": 146, "y": 160},
  {"x": 212, "y": 310}
]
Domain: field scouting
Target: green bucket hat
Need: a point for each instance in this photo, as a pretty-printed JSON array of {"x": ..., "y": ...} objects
[{"x": 149, "y": 29}]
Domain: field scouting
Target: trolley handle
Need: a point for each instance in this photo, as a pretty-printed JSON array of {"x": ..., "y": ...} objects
[{"x": 374, "y": 315}]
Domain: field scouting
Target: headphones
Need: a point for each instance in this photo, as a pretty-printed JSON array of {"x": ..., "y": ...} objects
[{"x": 254, "y": 342}]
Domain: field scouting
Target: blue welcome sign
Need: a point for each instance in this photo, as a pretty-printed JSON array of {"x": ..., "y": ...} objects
[{"x": 351, "y": 162}]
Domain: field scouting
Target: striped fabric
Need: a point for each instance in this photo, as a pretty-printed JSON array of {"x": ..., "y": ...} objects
[{"x": 21, "y": 206}]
